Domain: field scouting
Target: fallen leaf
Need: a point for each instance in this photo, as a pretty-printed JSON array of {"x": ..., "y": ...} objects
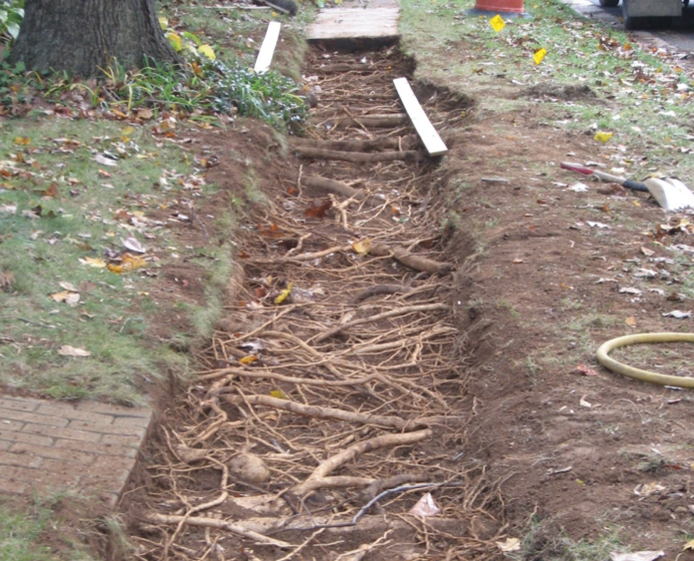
[
  {"x": 283, "y": 295},
  {"x": 630, "y": 321},
  {"x": 67, "y": 350},
  {"x": 133, "y": 244},
  {"x": 689, "y": 546},
  {"x": 509, "y": 545},
  {"x": 129, "y": 263},
  {"x": 583, "y": 403},
  {"x": 649, "y": 489},
  {"x": 93, "y": 262},
  {"x": 597, "y": 224},
  {"x": 104, "y": 161},
  {"x": 586, "y": 371},
  {"x": 677, "y": 314},
  {"x": 318, "y": 210},
  {"x": 279, "y": 394},
  {"x": 248, "y": 359},
  {"x": 207, "y": 51},
  {"x": 603, "y": 136},
  {"x": 69, "y": 298},
  {"x": 630, "y": 290},
  {"x": 362, "y": 247}
]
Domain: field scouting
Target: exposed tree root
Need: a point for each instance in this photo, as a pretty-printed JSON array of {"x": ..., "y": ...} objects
[
  {"x": 325, "y": 412},
  {"x": 357, "y": 157},
  {"x": 156, "y": 518}
]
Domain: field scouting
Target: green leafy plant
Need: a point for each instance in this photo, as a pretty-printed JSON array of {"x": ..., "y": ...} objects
[{"x": 11, "y": 16}]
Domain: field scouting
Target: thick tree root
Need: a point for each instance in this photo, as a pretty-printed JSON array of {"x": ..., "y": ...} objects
[
  {"x": 156, "y": 518},
  {"x": 325, "y": 412}
]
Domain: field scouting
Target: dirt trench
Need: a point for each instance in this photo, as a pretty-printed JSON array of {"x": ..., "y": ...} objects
[{"x": 330, "y": 400}]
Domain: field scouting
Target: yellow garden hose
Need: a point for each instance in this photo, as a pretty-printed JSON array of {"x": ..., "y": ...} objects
[{"x": 645, "y": 375}]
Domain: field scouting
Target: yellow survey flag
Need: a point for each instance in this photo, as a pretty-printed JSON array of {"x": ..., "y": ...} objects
[
  {"x": 603, "y": 136},
  {"x": 539, "y": 55},
  {"x": 497, "y": 23}
]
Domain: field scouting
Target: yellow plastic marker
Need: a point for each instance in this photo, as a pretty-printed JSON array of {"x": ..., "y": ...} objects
[
  {"x": 603, "y": 136},
  {"x": 539, "y": 55},
  {"x": 497, "y": 23}
]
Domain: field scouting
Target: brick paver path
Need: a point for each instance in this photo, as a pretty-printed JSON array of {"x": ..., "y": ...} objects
[{"x": 89, "y": 447}]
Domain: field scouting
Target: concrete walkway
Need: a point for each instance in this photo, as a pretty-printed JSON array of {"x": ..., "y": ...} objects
[{"x": 89, "y": 447}]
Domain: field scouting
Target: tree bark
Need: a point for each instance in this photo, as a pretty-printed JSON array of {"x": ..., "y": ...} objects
[{"x": 81, "y": 36}]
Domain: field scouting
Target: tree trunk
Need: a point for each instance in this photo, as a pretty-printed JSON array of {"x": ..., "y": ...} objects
[{"x": 81, "y": 36}]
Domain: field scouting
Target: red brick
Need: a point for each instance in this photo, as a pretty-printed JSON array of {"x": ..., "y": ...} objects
[
  {"x": 98, "y": 448},
  {"x": 7, "y": 425},
  {"x": 8, "y": 458},
  {"x": 11, "y": 487},
  {"x": 116, "y": 440},
  {"x": 69, "y": 412},
  {"x": 115, "y": 410},
  {"x": 12, "y": 479},
  {"x": 33, "y": 417},
  {"x": 53, "y": 452},
  {"x": 19, "y": 404},
  {"x": 17, "y": 436},
  {"x": 124, "y": 431},
  {"x": 56, "y": 432},
  {"x": 131, "y": 422},
  {"x": 55, "y": 474}
]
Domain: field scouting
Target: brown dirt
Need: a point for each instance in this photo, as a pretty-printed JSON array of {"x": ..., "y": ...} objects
[{"x": 526, "y": 434}]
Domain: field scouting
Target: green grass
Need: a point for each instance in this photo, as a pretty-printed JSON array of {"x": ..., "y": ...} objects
[
  {"x": 23, "y": 531},
  {"x": 82, "y": 217},
  {"x": 632, "y": 93},
  {"x": 542, "y": 541}
]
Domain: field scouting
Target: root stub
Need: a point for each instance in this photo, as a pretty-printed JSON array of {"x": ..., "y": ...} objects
[{"x": 416, "y": 262}]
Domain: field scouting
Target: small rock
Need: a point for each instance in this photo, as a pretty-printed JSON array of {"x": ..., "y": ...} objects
[{"x": 249, "y": 468}]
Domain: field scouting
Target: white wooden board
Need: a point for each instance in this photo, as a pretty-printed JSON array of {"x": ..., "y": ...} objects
[
  {"x": 426, "y": 131},
  {"x": 267, "y": 49},
  {"x": 354, "y": 23}
]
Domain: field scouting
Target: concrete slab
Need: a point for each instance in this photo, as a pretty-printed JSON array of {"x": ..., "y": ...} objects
[{"x": 90, "y": 448}]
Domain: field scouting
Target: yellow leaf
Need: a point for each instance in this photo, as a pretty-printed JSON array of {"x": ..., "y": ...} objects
[
  {"x": 248, "y": 359},
  {"x": 130, "y": 263},
  {"x": 284, "y": 294},
  {"x": 163, "y": 22},
  {"x": 207, "y": 51},
  {"x": 92, "y": 262},
  {"x": 127, "y": 131},
  {"x": 630, "y": 321},
  {"x": 603, "y": 136},
  {"x": 175, "y": 41},
  {"x": 497, "y": 23},
  {"x": 539, "y": 55},
  {"x": 362, "y": 247},
  {"x": 279, "y": 394},
  {"x": 688, "y": 546},
  {"x": 22, "y": 140}
]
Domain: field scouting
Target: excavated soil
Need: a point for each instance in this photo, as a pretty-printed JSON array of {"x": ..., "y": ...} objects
[{"x": 398, "y": 326}]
